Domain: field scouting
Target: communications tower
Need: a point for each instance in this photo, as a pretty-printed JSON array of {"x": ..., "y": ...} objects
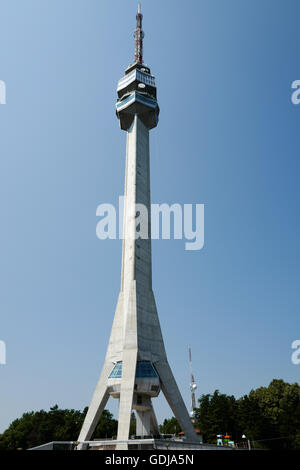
[
  {"x": 136, "y": 368},
  {"x": 193, "y": 386}
]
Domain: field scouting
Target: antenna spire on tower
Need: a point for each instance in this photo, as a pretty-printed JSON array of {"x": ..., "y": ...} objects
[{"x": 138, "y": 36}]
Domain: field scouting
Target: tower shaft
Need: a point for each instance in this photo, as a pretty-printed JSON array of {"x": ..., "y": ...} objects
[{"x": 136, "y": 252}]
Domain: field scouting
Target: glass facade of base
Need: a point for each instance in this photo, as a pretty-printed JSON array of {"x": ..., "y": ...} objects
[{"x": 144, "y": 369}]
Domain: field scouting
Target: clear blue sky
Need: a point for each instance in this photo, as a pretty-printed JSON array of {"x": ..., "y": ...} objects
[{"x": 228, "y": 137}]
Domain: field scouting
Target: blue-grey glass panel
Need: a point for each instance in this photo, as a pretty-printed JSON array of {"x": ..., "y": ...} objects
[{"x": 143, "y": 369}]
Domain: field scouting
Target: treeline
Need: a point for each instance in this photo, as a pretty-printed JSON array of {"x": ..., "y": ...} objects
[
  {"x": 268, "y": 416},
  {"x": 36, "y": 428}
]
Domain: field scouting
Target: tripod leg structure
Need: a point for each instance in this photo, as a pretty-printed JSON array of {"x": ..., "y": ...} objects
[
  {"x": 154, "y": 424},
  {"x": 96, "y": 407},
  {"x": 174, "y": 399},
  {"x": 126, "y": 397}
]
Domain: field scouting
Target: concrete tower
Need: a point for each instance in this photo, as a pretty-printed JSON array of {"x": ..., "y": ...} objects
[{"x": 136, "y": 366}]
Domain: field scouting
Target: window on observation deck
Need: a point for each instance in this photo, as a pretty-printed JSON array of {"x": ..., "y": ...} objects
[
  {"x": 144, "y": 369},
  {"x": 116, "y": 373}
]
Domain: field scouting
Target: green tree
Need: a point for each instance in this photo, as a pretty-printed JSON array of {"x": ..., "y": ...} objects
[
  {"x": 36, "y": 428},
  {"x": 217, "y": 414},
  {"x": 279, "y": 415},
  {"x": 269, "y": 416},
  {"x": 132, "y": 429},
  {"x": 107, "y": 426},
  {"x": 170, "y": 426}
]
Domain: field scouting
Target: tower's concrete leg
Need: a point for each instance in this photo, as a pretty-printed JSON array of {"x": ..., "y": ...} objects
[
  {"x": 97, "y": 405},
  {"x": 126, "y": 397},
  {"x": 128, "y": 367},
  {"x": 143, "y": 421},
  {"x": 154, "y": 425},
  {"x": 101, "y": 395},
  {"x": 174, "y": 399}
]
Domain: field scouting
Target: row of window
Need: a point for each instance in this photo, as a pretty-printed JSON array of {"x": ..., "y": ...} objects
[
  {"x": 136, "y": 75},
  {"x": 145, "y": 78}
]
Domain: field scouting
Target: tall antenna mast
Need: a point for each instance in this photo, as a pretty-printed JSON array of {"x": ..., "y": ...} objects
[
  {"x": 193, "y": 386},
  {"x": 138, "y": 36}
]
